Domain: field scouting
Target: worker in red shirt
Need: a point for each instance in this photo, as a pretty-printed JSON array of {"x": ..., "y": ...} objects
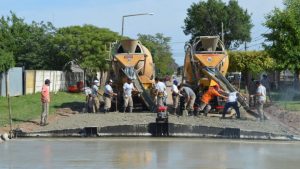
[
  {"x": 213, "y": 91},
  {"x": 45, "y": 99}
]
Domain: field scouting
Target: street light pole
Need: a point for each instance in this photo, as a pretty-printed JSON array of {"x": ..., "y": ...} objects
[{"x": 130, "y": 16}]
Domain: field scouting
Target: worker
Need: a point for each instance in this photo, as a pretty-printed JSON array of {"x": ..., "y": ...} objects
[
  {"x": 153, "y": 93},
  {"x": 95, "y": 99},
  {"x": 261, "y": 99},
  {"x": 45, "y": 99},
  {"x": 252, "y": 91},
  {"x": 165, "y": 92},
  {"x": 175, "y": 95},
  {"x": 108, "y": 94},
  {"x": 128, "y": 87},
  {"x": 266, "y": 83},
  {"x": 190, "y": 98},
  {"x": 232, "y": 102},
  {"x": 88, "y": 98},
  {"x": 160, "y": 88},
  {"x": 208, "y": 96}
]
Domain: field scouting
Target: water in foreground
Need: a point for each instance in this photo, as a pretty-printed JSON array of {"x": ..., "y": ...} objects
[{"x": 149, "y": 153}]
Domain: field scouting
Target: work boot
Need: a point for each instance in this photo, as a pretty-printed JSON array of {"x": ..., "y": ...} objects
[
  {"x": 184, "y": 113},
  {"x": 197, "y": 113},
  {"x": 175, "y": 111},
  {"x": 191, "y": 113}
]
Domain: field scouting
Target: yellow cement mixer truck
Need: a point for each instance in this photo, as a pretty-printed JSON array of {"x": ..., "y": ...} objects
[
  {"x": 206, "y": 62},
  {"x": 204, "y": 54},
  {"x": 130, "y": 59}
]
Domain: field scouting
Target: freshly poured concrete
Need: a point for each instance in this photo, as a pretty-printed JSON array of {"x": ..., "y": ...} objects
[{"x": 149, "y": 153}]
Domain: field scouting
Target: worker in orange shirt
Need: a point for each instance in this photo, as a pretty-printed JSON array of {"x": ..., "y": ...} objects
[
  {"x": 45, "y": 98},
  {"x": 213, "y": 91}
]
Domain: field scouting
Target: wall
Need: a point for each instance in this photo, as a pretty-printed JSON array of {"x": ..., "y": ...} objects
[
  {"x": 15, "y": 82},
  {"x": 59, "y": 80},
  {"x": 33, "y": 80}
]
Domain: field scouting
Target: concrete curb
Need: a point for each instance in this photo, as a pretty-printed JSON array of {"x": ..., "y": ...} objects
[{"x": 160, "y": 130}]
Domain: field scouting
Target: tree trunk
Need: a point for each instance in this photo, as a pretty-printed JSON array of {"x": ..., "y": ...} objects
[
  {"x": 247, "y": 78},
  {"x": 296, "y": 79},
  {"x": 276, "y": 79},
  {"x": 9, "y": 102},
  {"x": 101, "y": 77}
]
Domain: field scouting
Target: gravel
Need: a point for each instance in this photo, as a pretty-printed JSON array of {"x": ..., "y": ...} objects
[
  {"x": 111, "y": 119},
  {"x": 81, "y": 120}
]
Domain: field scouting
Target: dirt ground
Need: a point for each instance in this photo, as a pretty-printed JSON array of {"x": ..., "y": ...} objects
[
  {"x": 34, "y": 125},
  {"x": 289, "y": 119}
]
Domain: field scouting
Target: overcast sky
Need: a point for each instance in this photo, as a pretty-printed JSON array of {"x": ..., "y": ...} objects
[{"x": 167, "y": 19}]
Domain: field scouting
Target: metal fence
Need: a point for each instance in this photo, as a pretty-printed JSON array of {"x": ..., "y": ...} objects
[
  {"x": 15, "y": 82},
  {"x": 31, "y": 81}
]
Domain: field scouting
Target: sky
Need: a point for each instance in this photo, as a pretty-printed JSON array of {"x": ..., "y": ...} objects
[{"x": 168, "y": 17}]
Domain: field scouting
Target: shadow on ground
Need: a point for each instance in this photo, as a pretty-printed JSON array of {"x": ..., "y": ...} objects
[
  {"x": 27, "y": 121},
  {"x": 74, "y": 106}
]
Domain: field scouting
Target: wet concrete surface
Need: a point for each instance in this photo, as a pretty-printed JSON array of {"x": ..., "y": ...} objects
[{"x": 149, "y": 153}]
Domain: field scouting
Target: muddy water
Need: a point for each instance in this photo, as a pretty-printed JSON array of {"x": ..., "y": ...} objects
[{"x": 148, "y": 153}]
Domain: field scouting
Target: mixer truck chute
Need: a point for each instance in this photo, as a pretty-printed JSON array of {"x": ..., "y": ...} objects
[
  {"x": 130, "y": 59},
  {"x": 206, "y": 59}
]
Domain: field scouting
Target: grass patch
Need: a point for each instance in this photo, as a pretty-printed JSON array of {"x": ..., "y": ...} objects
[
  {"x": 287, "y": 100},
  {"x": 289, "y": 105},
  {"x": 29, "y": 107}
]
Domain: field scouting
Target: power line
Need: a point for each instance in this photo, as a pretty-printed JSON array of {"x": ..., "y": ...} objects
[
  {"x": 260, "y": 36},
  {"x": 176, "y": 42},
  {"x": 258, "y": 39},
  {"x": 254, "y": 45}
]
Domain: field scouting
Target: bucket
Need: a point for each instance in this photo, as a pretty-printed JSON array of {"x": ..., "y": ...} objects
[
  {"x": 129, "y": 45},
  {"x": 209, "y": 43}
]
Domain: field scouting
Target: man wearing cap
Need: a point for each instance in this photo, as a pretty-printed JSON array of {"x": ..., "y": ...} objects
[
  {"x": 108, "y": 94},
  {"x": 128, "y": 87},
  {"x": 45, "y": 98},
  {"x": 208, "y": 96},
  {"x": 95, "y": 98},
  {"x": 190, "y": 98},
  {"x": 175, "y": 95},
  {"x": 160, "y": 88}
]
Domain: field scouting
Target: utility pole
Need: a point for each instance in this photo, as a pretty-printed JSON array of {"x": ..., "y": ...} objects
[
  {"x": 8, "y": 101},
  {"x": 123, "y": 17},
  {"x": 223, "y": 33}
]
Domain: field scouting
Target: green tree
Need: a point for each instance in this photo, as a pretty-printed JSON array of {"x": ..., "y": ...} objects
[
  {"x": 283, "y": 42},
  {"x": 205, "y": 19},
  {"x": 253, "y": 62},
  {"x": 29, "y": 43},
  {"x": 160, "y": 50},
  {"x": 6, "y": 61},
  {"x": 85, "y": 45}
]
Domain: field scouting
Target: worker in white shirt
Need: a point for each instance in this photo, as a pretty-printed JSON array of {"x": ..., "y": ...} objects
[
  {"x": 232, "y": 102},
  {"x": 88, "y": 98},
  {"x": 175, "y": 95},
  {"x": 261, "y": 99},
  {"x": 128, "y": 87},
  {"x": 96, "y": 103},
  {"x": 108, "y": 94},
  {"x": 161, "y": 88}
]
